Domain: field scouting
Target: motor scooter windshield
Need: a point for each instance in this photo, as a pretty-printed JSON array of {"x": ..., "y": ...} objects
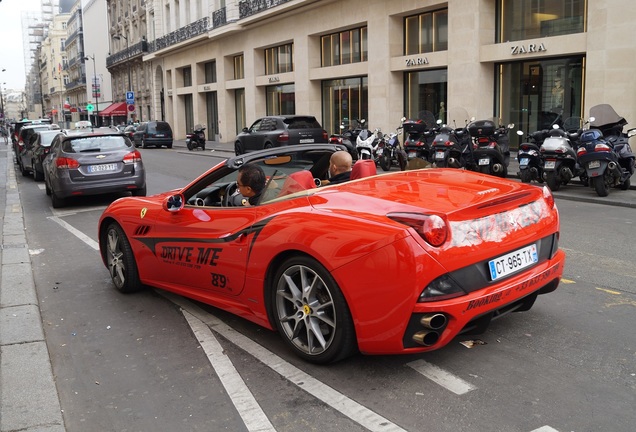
[{"x": 605, "y": 116}]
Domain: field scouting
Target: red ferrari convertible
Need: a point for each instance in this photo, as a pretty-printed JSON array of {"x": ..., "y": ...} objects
[{"x": 400, "y": 262}]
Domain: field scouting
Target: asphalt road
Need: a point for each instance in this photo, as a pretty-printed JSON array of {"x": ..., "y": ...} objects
[{"x": 99, "y": 360}]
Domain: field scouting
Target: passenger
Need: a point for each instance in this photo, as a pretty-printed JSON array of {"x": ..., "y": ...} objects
[
  {"x": 340, "y": 167},
  {"x": 251, "y": 182}
]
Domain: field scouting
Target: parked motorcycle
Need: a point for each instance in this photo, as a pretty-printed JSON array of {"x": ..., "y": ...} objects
[
  {"x": 529, "y": 156},
  {"x": 491, "y": 147},
  {"x": 390, "y": 152},
  {"x": 451, "y": 144},
  {"x": 345, "y": 139},
  {"x": 418, "y": 139},
  {"x": 604, "y": 150},
  {"x": 367, "y": 143},
  {"x": 196, "y": 139},
  {"x": 559, "y": 158}
]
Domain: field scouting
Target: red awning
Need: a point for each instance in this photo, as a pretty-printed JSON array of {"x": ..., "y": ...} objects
[{"x": 116, "y": 109}]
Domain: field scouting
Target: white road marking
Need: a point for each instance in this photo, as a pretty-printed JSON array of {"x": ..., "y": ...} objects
[
  {"x": 245, "y": 403},
  {"x": 77, "y": 233},
  {"x": 545, "y": 429},
  {"x": 355, "y": 411},
  {"x": 441, "y": 377}
]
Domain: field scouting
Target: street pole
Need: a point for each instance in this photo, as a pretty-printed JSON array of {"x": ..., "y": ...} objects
[
  {"x": 2, "y": 99},
  {"x": 94, "y": 89}
]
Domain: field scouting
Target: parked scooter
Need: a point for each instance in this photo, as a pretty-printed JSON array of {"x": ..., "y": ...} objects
[
  {"x": 345, "y": 139},
  {"x": 390, "y": 152},
  {"x": 451, "y": 144},
  {"x": 559, "y": 158},
  {"x": 196, "y": 139},
  {"x": 491, "y": 147},
  {"x": 418, "y": 140},
  {"x": 367, "y": 143},
  {"x": 529, "y": 157},
  {"x": 604, "y": 150}
]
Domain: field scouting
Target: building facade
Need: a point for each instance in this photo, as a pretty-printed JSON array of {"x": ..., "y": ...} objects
[
  {"x": 74, "y": 46},
  {"x": 53, "y": 75},
  {"x": 533, "y": 63}
]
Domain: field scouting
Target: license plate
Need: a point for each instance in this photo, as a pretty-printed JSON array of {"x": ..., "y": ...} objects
[
  {"x": 101, "y": 168},
  {"x": 412, "y": 154},
  {"x": 306, "y": 140},
  {"x": 594, "y": 164},
  {"x": 549, "y": 165},
  {"x": 439, "y": 155},
  {"x": 380, "y": 151},
  {"x": 484, "y": 161},
  {"x": 513, "y": 262},
  {"x": 159, "y": 135},
  {"x": 523, "y": 162}
]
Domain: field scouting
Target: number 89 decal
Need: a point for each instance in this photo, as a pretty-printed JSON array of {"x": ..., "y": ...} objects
[{"x": 219, "y": 280}]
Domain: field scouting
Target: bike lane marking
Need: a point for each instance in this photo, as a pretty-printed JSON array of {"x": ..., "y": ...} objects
[{"x": 350, "y": 408}]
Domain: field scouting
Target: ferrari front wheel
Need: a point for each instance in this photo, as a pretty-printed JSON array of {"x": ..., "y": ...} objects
[
  {"x": 120, "y": 260},
  {"x": 311, "y": 313}
]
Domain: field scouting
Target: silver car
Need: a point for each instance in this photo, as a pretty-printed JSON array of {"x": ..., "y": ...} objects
[{"x": 91, "y": 164}]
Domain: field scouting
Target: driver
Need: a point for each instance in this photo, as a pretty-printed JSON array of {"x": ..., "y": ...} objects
[
  {"x": 340, "y": 167},
  {"x": 251, "y": 182}
]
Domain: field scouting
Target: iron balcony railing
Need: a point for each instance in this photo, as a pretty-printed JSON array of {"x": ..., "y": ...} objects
[
  {"x": 183, "y": 34},
  {"x": 219, "y": 18},
  {"x": 129, "y": 53},
  {"x": 251, "y": 7}
]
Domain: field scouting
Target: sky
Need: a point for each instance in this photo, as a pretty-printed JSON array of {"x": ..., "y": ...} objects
[{"x": 11, "y": 50}]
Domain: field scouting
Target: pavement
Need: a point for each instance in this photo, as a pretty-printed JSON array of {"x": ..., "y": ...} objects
[{"x": 29, "y": 401}]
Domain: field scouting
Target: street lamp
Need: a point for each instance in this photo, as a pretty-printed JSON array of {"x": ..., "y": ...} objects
[
  {"x": 95, "y": 89},
  {"x": 2, "y": 100}
]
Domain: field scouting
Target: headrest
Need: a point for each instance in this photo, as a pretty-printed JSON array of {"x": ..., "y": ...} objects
[{"x": 363, "y": 168}]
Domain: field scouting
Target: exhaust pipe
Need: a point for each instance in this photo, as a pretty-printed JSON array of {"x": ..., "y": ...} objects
[
  {"x": 454, "y": 163},
  {"x": 566, "y": 174},
  {"x": 434, "y": 321},
  {"x": 615, "y": 169},
  {"x": 497, "y": 168},
  {"x": 426, "y": 338}
]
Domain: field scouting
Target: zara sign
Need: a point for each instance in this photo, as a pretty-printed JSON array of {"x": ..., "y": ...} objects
[{"x": 527, "y": 49}]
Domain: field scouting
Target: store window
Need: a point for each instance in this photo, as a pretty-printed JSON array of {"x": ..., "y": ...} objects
[
  {"x": 239, "y": 67},
  {"x": 345, "y": 47},
  {"x": 425, "y": 94},
  {"x": 189, "y": 112},
  {"x": 539, "y": 18},
  {"x": 212, "y": 111},
  {"x": 344, "y": 100},
  {"x": 187, "y": 76},
  {"x": 279, "y": 59},
  {"x": 536, "y": 94},
  {"x": 281, "y": 100},
  {"x": 427, "y": 32}
]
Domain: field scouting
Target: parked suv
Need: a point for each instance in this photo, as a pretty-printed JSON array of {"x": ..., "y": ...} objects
[
  {"x": 278, "y": 131},
  {"x": 153, "y": 133},
  {"x": 25, "y": 134}
]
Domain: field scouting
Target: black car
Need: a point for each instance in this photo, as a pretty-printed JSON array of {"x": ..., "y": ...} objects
[
  {"x": 153, "y": 133},
  {"x": 92, "y": 163},
  {"x": 34, "y": 152},
  {"x": 278, "y": 131},
  {"x": 24, "y": 136}
]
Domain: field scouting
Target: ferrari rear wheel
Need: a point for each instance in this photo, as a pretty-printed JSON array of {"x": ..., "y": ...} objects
[
  {"x": 120, "y": 260},
  {"x": 311, "y": 313}
]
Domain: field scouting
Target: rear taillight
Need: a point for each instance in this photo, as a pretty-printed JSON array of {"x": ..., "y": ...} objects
[
  {"x": 432, "y": 228},
  {"x": 284, "y": 137},
  {"x": 581, "y": 151},
  {"x": 448, "y": 143},
  {"x": 66, "y": 163},
  {"x": 547, "y": 195},
  {"x": 601, "y": 147},
  {"x": 419, "y": 144},
  {"x": 132, "y": 157},
  {"x": 325, "y": 135}
]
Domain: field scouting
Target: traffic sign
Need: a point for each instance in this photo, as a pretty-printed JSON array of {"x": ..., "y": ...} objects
[
  {"x": 90, "y": 107},
  {"x": 130, "y": 97},
  {"x": 131, "y": 108}
]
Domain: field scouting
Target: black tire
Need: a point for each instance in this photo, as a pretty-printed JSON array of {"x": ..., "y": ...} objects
[
  {"x": 169, "y": 146},
  {"x": 47, "y": 189},
  {"x": 143, "y": 144},
  {"x": 238, "y": 148},
  {"x": 553, "y": 181},
  {"x": 189, "y": 144},
  {"x": 120, "y": 260},
  {"x": 139, "y": 192},
  {"x": 56, "y": 201},
  {"x": 25, "y": 172},
  {"x": 295, "y": 314},
  {"x": 626, "y": 184},
  {"x": 402, "y": 160},
  {"x": 37, "y": 175},
  {"x": 385, "y": 162},
  {"x": 268, "y": 146},
  {"x": 526, "y": 176},
  {"x": 601, "y": 188}
]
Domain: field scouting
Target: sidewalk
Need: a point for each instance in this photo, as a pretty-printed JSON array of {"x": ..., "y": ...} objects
[{"x": 28, "y": 396}]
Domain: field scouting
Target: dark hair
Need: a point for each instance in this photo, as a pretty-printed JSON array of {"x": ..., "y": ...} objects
[{"x": 253, "y": 176}]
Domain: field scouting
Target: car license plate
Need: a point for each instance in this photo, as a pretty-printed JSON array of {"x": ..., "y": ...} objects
[
  {"x": 101, "y": 168},
  {"x": 412, "y": 154},
  {"x": 549, "y": 165},
  {"x": 439, "y": 155},
  {"x": 594, "y": 164},
  {"x": 306, "y": 141},
  {"x": 523, "y": 162},
  {"x": 513, "y": 262},
  {"x": 159, "y": 135},
  {"x": 484, "y": 161}
]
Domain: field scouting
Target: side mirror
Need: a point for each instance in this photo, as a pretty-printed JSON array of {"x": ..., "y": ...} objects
[
  {"x": 174, "y": 203},
  {"x": 245, "y": 129},
  {"x": 403, "y": 119},
  {"x": 342, "y": 127},
  {"x": 511, "y": 125},
  {"x": 520, "y": 133},
  {"x": 362, "y": 121},
  {"x": 631, "y": 132},
  {"x": 439, "y": 121},
  {"x": 555, "y": 126}
]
